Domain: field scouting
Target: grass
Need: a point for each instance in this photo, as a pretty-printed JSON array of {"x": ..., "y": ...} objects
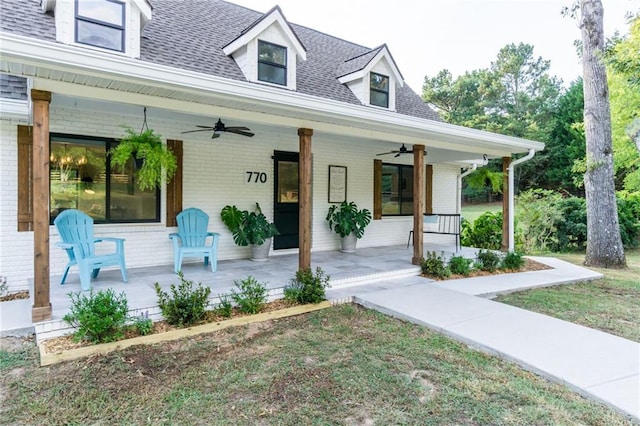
[
  {"x": 343, "y": 365},
  {"x": 610, "y": 304},
  {"x": 472, "y": 211}
]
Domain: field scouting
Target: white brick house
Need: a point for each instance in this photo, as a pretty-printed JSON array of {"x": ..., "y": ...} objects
[{"x": 255, "y": 70}]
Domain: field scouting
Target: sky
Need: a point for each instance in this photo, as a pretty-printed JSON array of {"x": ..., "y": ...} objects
[{"x": 426, "y": 36}]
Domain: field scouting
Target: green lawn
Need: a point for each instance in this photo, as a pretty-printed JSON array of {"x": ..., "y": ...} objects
[
  {"x": 611, "y": 304},
  {"x": 472, "y": 211},
  {"x": 343, "y": 365}
]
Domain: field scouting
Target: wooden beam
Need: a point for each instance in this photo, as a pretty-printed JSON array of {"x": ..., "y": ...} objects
[
  {"x": 506, "y": 162},
  {"x": 304, "y": 198},
  {"x": 429, "y": 189},
  {"x": 377, "y": 189},
  {"x": 41, "y": 310},
  {"x": 174, "y": 188},
  {"x": 418, "y": 202}
]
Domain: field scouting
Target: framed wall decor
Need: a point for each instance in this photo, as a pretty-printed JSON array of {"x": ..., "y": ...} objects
[{"x": 337, "y": 184}]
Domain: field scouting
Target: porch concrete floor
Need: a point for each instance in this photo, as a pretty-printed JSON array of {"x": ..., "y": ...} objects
[{"x": 345, "y": 269}]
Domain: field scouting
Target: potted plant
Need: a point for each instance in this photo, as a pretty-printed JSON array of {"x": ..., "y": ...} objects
[
  {"x": 250, "y": 229},
  {"x": 348, "y": 222},
  {"x": 151, "y": 155}
]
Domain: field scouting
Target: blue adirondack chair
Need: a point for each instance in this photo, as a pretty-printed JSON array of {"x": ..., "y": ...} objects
[
  {"x": 76, "y": 231},
  {"x": 191, "y": 239}
]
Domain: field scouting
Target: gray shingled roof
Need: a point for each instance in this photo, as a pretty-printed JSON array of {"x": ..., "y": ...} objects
[
  {"x": 13, "y": 87},
  {"x": 357, "y": 63},
  {"x": 191, "y": 34}
]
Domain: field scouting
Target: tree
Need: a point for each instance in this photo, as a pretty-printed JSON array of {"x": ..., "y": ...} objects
[
  {"x": 604, "y": 244},
  {"x": 623, "y": 71},
  {"x": 566, "y": 144}
]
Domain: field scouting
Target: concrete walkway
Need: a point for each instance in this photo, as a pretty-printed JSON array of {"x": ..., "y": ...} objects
[{"x": 595, "y": 364}]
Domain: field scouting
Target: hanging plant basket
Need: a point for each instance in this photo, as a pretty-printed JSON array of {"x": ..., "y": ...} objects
[{"x": 151, "y": 157}]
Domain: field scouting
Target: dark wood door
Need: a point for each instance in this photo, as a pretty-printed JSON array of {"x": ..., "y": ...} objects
[{"x": 285, "y": 207}]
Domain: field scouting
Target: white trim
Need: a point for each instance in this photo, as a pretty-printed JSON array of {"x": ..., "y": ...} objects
[
  {"x": 383, "y": 54},
  {"x": 36, "y": 53},
  {"x": 14, "y": 108},
  {"x": 274, "y": 17}
]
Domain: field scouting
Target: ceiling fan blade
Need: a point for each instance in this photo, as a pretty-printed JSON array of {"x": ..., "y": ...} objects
[
  {"x": 215, "y": 135},
  {"x": 397, "y": 155},
  {"x": 387, "y": 153},
  {"x": 200, "y": 130},
  {"x": 239, "y": 132},
  {"x": 232, "y": 128},
  {"x": 204, "y": 127}
]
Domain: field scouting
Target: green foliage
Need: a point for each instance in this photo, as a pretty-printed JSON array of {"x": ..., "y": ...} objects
[
  {"x": 307, "y": 287},
  {"x": 248, "y": 228},
  {"x": 434, "y": 265},
  {"x": 486, "y": 232},
  {"x": 513, "y": 260},
  {"x": 225, "y": 308},
  {"x": 346, "y": 219},
  {"x": 629, "y": 218},
  {"x": 252, "y": 296},
  {"x": 186, "y": 305},
  {"x": 143, "y": 324},
  {"x": 487, "y": 260},
  {"x": 146, "y": 146},
  {"x": 571, "y": 234},
  {"x": 460, "y": 265},
  {"x": 99, "y": 317},
  {"x": 538, "y": 218}
]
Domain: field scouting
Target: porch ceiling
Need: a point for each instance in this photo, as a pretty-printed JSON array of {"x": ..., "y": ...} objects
[{"x": 81, "y": 73}]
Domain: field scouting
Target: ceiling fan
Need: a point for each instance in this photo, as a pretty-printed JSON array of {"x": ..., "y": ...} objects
[
  {"x": 403, "y": 150},
  {"x": 220, "y": 128}
]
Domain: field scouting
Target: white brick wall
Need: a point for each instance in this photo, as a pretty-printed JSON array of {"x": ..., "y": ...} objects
[{"x": 214, "y": 176}]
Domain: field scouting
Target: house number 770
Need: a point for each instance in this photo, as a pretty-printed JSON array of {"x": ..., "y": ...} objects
[{"x": 256, "y": 177}]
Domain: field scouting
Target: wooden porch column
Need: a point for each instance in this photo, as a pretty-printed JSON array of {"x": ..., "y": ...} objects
[
  {"x": 304, "y": 198},
  {"x": 41, "y": 310},
  {"x": 418, "y": 202},
  {"x": 506, "y": 162}
]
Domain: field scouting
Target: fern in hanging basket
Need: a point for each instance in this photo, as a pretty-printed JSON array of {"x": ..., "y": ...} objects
[{"x": 148, "y": 147}]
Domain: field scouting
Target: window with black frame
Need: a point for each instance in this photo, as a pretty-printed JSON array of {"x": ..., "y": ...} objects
[
  {"x": 100, "y": 23},
  {"x": 272, "y": 63},
  {"x": 379, "y": 93},
  {"x": 82, "y": 178},
  {"x": 397, "y": 190}
]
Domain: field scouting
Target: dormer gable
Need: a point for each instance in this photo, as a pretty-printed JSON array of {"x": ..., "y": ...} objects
[
  {"x": 372, "y": 77},
  {"x": 112, "y": 26},
  {"x": 267, "y": 51}
]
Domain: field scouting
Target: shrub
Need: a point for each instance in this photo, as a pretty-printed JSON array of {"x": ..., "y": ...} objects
[
  {"x": 487, "y": 231},
  {"x": 307, "y": 287},
  {"x": 466, "y": 229},
  {"x": 487, "y": 260},
  {"x": 434, "y": 265},
  {"x": 572, "y": 227},
  {"x": 186, "y": 305},
  {"x": 538, "y": 220},
  {"x": 143, "y": 324},
  {"x": 99, "y": 317},
  {"x": 629, "y": 219},
  {"x": 460, "y": 265},
  {"x": 513, "y": 260},
  {"x": 225, "y": 308},
  {"x": 252, "y": 295}
]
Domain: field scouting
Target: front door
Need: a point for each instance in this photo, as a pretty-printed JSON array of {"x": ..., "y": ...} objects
[{"x": 285, "y": 209}]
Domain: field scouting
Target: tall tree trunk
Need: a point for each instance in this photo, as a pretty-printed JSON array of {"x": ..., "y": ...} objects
[{"x": 604, "y": 245}]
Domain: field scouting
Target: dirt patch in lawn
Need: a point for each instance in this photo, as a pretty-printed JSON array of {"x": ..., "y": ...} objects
[{"x": 24, "y": 294}]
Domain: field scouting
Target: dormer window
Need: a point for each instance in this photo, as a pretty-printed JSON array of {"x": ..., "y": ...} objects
[
  {"x": 379, "y": 90},
  {"x": 100, "y": 23},
  {"x": 272, "y": 63}
]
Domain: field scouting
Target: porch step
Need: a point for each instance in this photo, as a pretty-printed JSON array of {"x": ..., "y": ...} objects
[{"x": 57, "y": 327}]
